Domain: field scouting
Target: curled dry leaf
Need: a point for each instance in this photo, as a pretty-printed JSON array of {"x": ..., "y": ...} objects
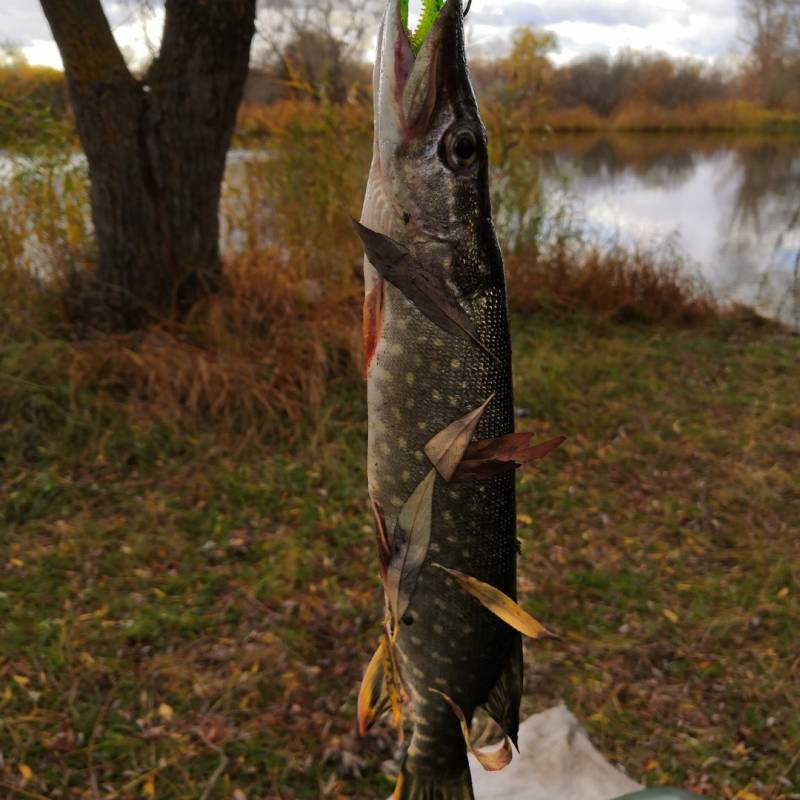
[
  {"x": 491, "y": 760},
  {"x": 447, "y": 448},
  {"x": 412, "y": 536},
  {"x": 489, "y": 457},
  {"x": 501, "y": 605},
  {"x": 426, "y": 288}
]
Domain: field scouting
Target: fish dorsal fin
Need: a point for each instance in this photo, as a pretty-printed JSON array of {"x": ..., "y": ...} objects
[
  {"x": 490, "y": 760},
  {"x": 503, "y": 701}
]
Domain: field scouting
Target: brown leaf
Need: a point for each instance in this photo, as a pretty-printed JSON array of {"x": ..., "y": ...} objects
[
  {"x": 384, "y": 548},
  {"x": 412, "y": 535},
  {"x": 371, "y": 321},
  {"x": 492, "y": 760},
  {"x": 489, "y": 457},
  {"x": 501, "y": 605},
  {"x": 426, "y": 288},
  {"x": 447, "y": 448}
]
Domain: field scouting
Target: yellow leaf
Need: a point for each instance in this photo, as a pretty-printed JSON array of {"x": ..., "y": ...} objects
[
  {"x": 783, "y": 592},
  {"x": 684, "y": 587},
  {"x": 21, "y": 680},
  {"x": 165, "y": 712},
  {"x": 447, "y": 448},
  {"x": 744, "y": 794},
  {"x": 525, "y": 519},
  {"x": 7, "y": 695},
  {"x": 87, "y": 658},
  {"x": 671, "y": 616},
  {"x": 26, "y": 772},
  {"x": 501, "y": 605},
  {"x": 17, "y": 562},
  {"x": 492, "y": 760},
  {"x": 149, "y": 788}
]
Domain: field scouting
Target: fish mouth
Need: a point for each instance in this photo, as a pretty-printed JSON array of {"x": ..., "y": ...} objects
[{"x": 411, "y": 90}]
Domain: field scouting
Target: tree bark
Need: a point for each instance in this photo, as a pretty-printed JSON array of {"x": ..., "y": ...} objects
[{"x": 156, "y": 147}]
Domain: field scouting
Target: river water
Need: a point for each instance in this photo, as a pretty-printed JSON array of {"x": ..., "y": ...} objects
[{"x": 732, "y": 206}]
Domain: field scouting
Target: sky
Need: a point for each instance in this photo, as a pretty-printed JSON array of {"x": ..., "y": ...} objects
[{"x": 704, "y": 29}]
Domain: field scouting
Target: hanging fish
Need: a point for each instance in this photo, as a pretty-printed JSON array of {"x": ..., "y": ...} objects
[{"x": 442, "y": 448}]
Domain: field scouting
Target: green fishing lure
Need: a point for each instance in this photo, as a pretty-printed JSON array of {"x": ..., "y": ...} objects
[{"x": 430, "y": 8}]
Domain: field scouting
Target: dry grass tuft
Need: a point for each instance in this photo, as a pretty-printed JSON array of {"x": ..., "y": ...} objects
[
  {"x": 621, "y": 285},
  {"x": 254, "y": 357}
]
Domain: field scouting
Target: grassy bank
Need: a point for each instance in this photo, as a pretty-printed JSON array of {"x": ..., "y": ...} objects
[{"x": 186, "y": 612}]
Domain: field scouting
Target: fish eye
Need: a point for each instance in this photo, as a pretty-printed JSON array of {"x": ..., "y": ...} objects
[{"x": 460, "y": 148}]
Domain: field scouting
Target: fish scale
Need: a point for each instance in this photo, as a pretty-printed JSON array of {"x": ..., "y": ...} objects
[{"x": 441, "y": 449}]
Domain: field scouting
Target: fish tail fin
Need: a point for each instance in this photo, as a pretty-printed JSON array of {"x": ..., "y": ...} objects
[{"x": 416, "y": 786}]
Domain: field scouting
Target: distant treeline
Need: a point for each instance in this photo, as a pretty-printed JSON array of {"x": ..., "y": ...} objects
[{"x": 523, "y": 88}]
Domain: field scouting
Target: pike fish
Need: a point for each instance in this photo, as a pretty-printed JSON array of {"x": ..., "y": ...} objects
[{"x": 442, "y": 449}]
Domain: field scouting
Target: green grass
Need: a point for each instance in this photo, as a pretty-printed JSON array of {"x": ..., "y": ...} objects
[{"x": 185, "y": 614}]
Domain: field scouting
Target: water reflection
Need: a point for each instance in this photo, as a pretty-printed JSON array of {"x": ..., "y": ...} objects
[{"x": 733, "y": 205}]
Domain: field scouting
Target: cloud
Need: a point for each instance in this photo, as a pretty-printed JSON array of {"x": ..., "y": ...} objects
[{"x": 700, "y": 28}]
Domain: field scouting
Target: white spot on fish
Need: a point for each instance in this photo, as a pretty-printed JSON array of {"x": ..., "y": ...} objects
[
  {"x": 438, "y": 342},
  {"x": 423, "y": 426},
  {"x": 452, "y": 400},
  {"x": 447, "y": 516},
  {"x": 402, "y": 443},
  {"x": 395, "y": 349},
  {"x": 409, "y": 402},
  {"x": 405, "y": 476},
  {"x": 436, "y": 394},
  {"x": 410, "y": 378},
  {"x": 439, "y": 681},
  {"x": 384, "y": 448},
  {"x": 438, "y": 628},
  {"x": 396, "y": 502},
  {"x": 455, "y": 363},
  {"x": 419, "y": 455},
  {"x": 416, "y": 641},
  {"x": 452, "y": 539},
  {"x": 434, "y": 547},
  {"x": 466, "y": 554},
  {"x": 396, "y": 413}
]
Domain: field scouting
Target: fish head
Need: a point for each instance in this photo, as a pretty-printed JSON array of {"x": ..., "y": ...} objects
[{"x": 430, "y": 153}]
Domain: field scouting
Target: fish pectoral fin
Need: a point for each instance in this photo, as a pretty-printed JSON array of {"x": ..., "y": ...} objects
[
  {"x": 374, "y": 699},
  {"x": 424, "y": 287},
  {"x": 501, "y": 605},
  {"x": 503, "y": 701},
  {"x": 490, "y": 760},
  {"x": 379, "y": 691}
]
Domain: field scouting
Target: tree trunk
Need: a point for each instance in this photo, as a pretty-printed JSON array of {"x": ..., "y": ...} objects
[{"x": 156, "y": 147}]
